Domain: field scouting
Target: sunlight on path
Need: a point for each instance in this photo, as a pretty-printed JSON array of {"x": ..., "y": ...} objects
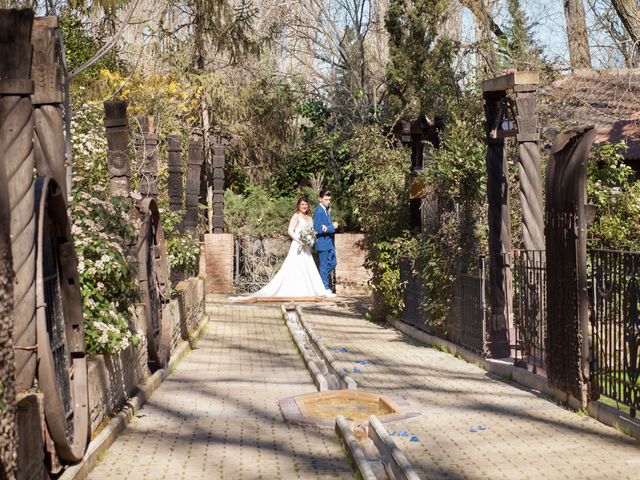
[
  {"x": 217, "y": 416},
  {"x": 521, "y": 435}
]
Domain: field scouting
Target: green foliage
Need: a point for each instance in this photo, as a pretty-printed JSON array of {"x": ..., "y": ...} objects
[
  {"x": 257, "y": 214},
  {"x": 380, "y": 208},
  {"x": 183, "y": 250},
  {"x": 80, "y": 46},
  {"x": 614, "y": 190},
  {"x": 420, "y": 74},
  {"x": 457, "y": 178}
]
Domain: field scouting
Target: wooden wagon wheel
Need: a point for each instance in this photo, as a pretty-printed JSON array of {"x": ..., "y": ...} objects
[
  {"x": 153, "y": 279},
  {"x": 62, "y": 367}
]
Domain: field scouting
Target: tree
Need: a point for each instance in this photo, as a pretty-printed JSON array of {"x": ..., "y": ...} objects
[
  {"x": 629, "y": 13},
  {"x": 578, "y": 39}
]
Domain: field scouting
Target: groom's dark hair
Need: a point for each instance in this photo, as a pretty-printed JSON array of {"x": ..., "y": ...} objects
[{"x": 325, "y": 193}]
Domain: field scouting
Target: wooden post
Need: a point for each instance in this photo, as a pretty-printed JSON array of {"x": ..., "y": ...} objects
[
  {"x": 218, "y": 143},
  {"x": 194, "y": 166},
  {"x": 529, "y": 167},
  {"x": 47, "y": 100},
  {"x": 16, "y": 148},
  {"x": 499, "y": 233},
  {"x": 147, "y": 156},
  {"x": 7, "y": 367},
  {"x": 176, "y": 189},
  {"x": 118, "y": 163}
]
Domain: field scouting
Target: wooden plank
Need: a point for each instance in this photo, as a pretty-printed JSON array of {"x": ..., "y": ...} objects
[{"x": 510, "y": 80}]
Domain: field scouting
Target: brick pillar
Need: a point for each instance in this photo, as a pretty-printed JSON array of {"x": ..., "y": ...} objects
[
  {"x": 219, "y": 251},
  {"x": 352, "y": 279}
]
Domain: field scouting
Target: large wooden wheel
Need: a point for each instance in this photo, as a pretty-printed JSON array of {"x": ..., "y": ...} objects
[
  {"x": 62, "y": 367},
  {"x": 153, "y": 279}
]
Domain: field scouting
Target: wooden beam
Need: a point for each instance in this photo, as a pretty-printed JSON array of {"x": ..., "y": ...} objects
[{"x": 510, "y": 80}]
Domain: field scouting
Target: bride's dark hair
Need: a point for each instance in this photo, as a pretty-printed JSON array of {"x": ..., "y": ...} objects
[{"x": 303, "y": 198}]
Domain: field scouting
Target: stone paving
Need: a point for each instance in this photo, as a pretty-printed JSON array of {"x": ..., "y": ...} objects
[
  {"x": 217, "y": 415},
  {"x": 525, "y": 435}
]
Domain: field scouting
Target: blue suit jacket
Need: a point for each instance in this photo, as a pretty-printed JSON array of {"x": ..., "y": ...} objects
[{"x": 324, "y": 241}]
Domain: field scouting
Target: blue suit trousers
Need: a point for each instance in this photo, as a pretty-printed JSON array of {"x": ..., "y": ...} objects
[{"x": 328, "y": 263}]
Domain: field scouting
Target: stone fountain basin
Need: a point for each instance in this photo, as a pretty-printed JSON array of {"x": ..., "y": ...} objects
[{"x": 356, "y": 406}]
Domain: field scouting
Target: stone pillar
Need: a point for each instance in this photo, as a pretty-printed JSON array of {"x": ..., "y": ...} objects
[
  {"x": 47, "y": 101},
  {"x": 194, "y": 165},
  {"x": 118, "y": 163},
  {"x": 16, "y": 148},
  {"x": 219, "y": 249},
  {"x": 218, "y": 143},
  {"x": 529, "y": 167},
  {"x": 499, "y": 231},
  {"x": 147, "y": 156},
  {"x": 176, "y": 189}
]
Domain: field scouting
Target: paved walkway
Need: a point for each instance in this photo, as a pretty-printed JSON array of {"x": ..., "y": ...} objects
[
  {"x": 526, "y": 436},
  {"x": 217, "y": 415}
]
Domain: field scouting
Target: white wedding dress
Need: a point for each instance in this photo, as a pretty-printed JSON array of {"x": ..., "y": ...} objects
[{"x": 298, "y": 276}]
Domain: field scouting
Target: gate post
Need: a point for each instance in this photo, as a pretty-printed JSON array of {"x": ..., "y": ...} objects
[
  {"x": 499, "y": 230},
  {"x": 566, "y": 242},
  {"x": 118, "y": 163},
  {"x": 147, "y": 155}
]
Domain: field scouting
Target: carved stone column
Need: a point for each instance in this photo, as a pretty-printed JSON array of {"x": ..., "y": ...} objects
[
  {"x": 118, "y": 162},
  {"x": 49, "y": 139},
  {"x": 176, "y": 190},
  {"x": 499, "y": 232},
  {"x": 16, "y": 150},
  {"x": 147, "y": 155},
  {"x": 529, "y": 167},
  {"x": 194, "y": 166},
  {"x": 218, "y": 143}
]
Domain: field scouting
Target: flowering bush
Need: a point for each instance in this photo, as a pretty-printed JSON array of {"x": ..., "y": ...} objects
[
  {"x": 101, "y": 229},
  {"x": 183, "y": 251}
]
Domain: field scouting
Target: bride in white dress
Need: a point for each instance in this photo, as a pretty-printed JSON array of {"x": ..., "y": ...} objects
[{"x": 298, "y": 277}]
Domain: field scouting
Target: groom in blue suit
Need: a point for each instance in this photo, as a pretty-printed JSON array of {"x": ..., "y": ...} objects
[{"x": 325, "y": 229}]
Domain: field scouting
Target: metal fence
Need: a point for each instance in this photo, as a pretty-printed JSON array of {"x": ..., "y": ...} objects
[
  {"x": 471, "y": 310},
  {"x": 414, "y": 294},
  {"x": 257, "y": 261},
  {"x": 529, "y": 309},
  {"x": 615, "y": 327}
]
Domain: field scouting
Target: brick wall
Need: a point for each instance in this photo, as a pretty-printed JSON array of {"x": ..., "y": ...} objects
[
  {"x": 219, "y": 249},
  {"x": 351, "y": 276}
]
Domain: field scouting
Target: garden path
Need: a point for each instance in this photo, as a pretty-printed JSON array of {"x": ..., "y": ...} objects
[{"x": 523, "y": 435}]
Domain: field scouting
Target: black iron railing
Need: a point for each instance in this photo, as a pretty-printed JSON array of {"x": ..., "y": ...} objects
[
  {"x": 413, "y": 296},
  {"x": 471, "y": 310},
  {"x": 615, "y": 327},
  {"x": 529, "y": 309}
]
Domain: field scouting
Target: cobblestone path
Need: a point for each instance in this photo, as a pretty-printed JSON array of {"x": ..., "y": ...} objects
[
  {"x": 217, "y": 415},
  {"x": 525, "y": 436}
]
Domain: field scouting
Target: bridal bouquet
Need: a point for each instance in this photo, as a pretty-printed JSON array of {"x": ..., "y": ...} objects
[{"x": 307, "y": 237}]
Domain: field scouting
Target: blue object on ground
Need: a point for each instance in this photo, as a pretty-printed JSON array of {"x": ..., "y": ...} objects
[
  {"x": 404, "y": 434},
  {"x": 392, "y": 433},
  {"x": 481, "y": 427},
  {"x": 343, "y": 349},
  {"x": 472, "y": 430},
  {"x": 356, "y": 370},
  {"x": 414, "y": 439},
  {"x": 335, "y": 350}
]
